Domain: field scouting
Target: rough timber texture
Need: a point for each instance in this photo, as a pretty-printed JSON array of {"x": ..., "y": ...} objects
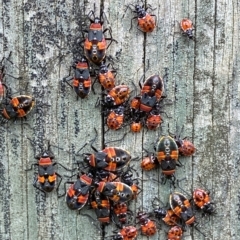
[{"x": 201, "y": 78}]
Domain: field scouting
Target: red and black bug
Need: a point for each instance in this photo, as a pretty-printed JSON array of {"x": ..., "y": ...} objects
[
  {"x": 153, "y": 86},
  {"x": 154, "y": 119},
  {"x": 182, "y": 208},
  {"x": 106, "y": 77},
  {"x": 149, "y": 162},
  {"x": 187, "y": 27},
  {"x": 46, "y": 177},
  {"x": 78, "y": 192},
  {"x": 203, "y": 201},
  {"x": 81, "y": 82},
  {"x": 115, "y": 118},
  {"x": 175, "y": 233},
  {"x": 95, "y": 44},
  {"x": 126, "y": 233},
  {"x": 116, "y": 191},
  {"x": 16, "y": 107},
  {"x": 185, "y": 147},
  {"x": 167, "y": 155},
  {"x": 136, "y": 126},
  {"x": 146, "y": 21},
  {"x": 116, "y": 96},
  {"x": 165, "y": 214},
  {"x": 101, "y": 204},
  {"x": 148, "y": 226},
  {"x": 120, "y": 213},
  {"x": 109, "y": 159}
]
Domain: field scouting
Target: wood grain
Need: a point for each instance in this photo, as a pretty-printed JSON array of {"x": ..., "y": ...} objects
[{"x": 201, "y": 79}]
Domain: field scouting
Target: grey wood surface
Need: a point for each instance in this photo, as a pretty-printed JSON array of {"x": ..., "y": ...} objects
[{"x": 201, "y": 78}]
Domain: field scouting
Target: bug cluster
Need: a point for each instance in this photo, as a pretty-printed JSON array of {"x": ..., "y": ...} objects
[
  {"x": 105, "y": 181},
  {"x": 182, "y": 211}
]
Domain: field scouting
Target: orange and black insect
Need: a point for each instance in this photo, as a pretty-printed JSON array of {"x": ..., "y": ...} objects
[
  {"x": 78, "y": 193},
  {"x": 101, "y": 204},
  {"x": 95, "y": 44},
  {"x": 166, "y": 215},
  {"x": 146, "y": 21},
  {"x": 182, "y": 208},
  {"x": 153, "y": 86},
  {"x": 148, "y": 226},
  {"x": 106, "y": 77},
  {"x": 120, "y": 213},
  {"x": 117, "y": 96},
  {"x": 116, "y": 191},
  {"x": 109, "y": 159},
  {"x": 167, "y": 155},
  {"x": 115, "y": 118},
  {"x": 81, "y": 82},
  {"x": 154, "y": 120},
  {"x": 175, "y": 233},
  {"x": 185, "y": 147},
  {"x": 149, "y": 162},
  {"x": 16, "y": 107},
  {"x": 187, "y": 27},
  {"x": 136, "y": 126},
  {"x": 203, "y": 201},
  {"x": 126, "y": 233},
  {"x": 46, "y": 177}
]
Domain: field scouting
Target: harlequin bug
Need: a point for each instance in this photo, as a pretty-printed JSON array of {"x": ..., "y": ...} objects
[
  {"x": 101, "y": 205},
  {"x": 81, "y": 82},
  {"x": 47, "y": 176},
  {"x": 167, "y": 155},
  {"x": 175, "y": 233},
  {"x": 182, "y": 207},
  {"x": 146, "y": 21},
  {"x": 95, "y": 45},
  {"x": 187, "y": 27},
  {"x": 106, "y": 77},
  {"x": 78, "y": 192},
  {"x": 116, "y": 191},
  {"x": 148, "y": 227},
  {"x": 126, "y": 233},
  {"x": 202, "y": 200},
  {"x": 117, "y": 96},
  {"x": 115, "y": 118},
  {"x": 16, "y": 107}
]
